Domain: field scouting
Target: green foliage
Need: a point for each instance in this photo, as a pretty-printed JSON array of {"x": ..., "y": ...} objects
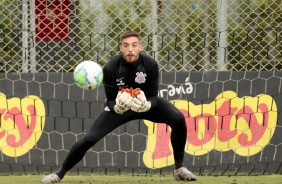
[{"x": 174, "y": 28}]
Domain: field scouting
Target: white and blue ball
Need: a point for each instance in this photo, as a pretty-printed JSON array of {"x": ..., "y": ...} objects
[{"x": 88, "y": 75}]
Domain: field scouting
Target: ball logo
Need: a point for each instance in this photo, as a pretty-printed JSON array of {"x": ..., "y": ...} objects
[
  {"x": 21, "y": 124},
  {"x": 244, "y": 125}
]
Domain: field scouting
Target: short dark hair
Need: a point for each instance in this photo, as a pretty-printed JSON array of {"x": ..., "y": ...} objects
[{"x": 127, "y": 34}]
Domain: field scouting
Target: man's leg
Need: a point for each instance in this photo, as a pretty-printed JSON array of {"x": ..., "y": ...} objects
[
  {"x": 166, "y": 112},
  {"x": 102, "y": 125}
]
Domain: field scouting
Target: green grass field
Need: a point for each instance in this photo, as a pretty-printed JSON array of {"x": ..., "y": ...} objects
[{"x": 32, "y": 179}]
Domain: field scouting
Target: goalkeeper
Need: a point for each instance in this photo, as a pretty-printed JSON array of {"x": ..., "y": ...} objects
[{"x": 131, "y": 87}]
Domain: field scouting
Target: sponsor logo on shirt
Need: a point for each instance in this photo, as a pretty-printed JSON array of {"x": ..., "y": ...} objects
[{"x": 120, "y": 82}]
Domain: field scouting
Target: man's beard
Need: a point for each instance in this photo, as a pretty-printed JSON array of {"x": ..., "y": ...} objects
[{"x": 132, "y": 59}]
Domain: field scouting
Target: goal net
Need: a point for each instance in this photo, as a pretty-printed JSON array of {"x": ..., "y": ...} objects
[{"x": 219, "y": 61}]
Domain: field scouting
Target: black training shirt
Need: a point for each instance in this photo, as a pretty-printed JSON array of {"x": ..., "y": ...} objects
[{"x": 143, "y": 74}]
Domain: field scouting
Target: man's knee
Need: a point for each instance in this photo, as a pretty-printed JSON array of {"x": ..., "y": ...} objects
[
  {"x": 178, "y": 120},
  {"x": 179, "y": 117},
  {"x": 89, "y": 139}
]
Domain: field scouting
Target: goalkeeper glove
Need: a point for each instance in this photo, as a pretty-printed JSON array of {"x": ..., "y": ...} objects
[
  {"x": 123, "y": 102},
  {"x": 140, "y": 103}
]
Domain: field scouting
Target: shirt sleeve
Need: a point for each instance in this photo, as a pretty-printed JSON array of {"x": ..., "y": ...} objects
[
  {"x": 152, "y": 92},
  {"x": 109, "y": 86}
]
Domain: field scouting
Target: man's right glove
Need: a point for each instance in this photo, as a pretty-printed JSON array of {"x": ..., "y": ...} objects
[
  {"x": 140, "y": 103},
  {"x": 123, "y": 102}
]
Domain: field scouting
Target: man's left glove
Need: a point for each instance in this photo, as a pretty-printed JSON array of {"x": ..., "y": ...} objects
[{"x": 140, "y": 103}]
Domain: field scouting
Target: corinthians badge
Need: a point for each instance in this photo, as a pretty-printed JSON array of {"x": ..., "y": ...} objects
[{"x": 140, "y": 77}]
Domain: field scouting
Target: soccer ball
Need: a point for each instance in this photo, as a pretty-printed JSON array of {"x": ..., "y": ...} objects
[{"x": 88, "y": 75}]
